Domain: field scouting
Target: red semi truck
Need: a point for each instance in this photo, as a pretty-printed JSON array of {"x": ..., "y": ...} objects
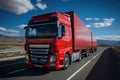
[{"x": 55, "y": 40}]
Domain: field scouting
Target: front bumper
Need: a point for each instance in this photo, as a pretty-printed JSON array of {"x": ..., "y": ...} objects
[{"x": 51, "y": 66}]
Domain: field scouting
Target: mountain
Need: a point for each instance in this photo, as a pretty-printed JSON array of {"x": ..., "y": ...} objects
[
  {"x": 108, "y": 42},
  {"x": 4, "y": 38},
  {"x": 117, "y": 43}
]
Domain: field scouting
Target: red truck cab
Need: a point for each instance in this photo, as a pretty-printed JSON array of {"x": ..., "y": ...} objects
[{"x": 51, "y": 41}]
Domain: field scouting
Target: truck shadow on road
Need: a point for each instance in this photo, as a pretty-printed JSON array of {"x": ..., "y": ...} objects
[{"x": 27, "y": 72}]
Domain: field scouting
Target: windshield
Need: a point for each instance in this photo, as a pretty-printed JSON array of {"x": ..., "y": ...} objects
[{"x": 46, "y": 30}]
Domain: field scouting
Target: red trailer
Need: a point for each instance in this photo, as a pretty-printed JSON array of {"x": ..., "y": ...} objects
[{"x": 55, "y": 40}]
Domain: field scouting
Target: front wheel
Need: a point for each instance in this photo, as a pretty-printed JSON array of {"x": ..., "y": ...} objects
[{"x": 66, "y": 61}]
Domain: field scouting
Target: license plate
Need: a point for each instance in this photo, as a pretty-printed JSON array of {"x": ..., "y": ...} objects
[{"x": 39, "y": 66}]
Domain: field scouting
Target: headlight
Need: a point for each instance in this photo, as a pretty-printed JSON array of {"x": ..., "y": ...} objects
[
  {"x": 52, "y": 59},
  {"x": 26, "y": 56}
]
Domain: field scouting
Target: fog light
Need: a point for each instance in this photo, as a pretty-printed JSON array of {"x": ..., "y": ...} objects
[{"x": 52, "y": 59}]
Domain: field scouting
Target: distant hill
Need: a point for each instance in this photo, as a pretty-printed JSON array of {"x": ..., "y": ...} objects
[
  {"x": 108, "y": 42},
  {"x": 4, "y": 38},
  {"x": 117, "y": 43}
]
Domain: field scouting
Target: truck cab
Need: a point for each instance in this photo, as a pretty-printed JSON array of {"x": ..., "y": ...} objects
[{"x": 49, "y": 41}]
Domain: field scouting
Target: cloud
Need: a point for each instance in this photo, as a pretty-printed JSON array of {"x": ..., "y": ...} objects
[
  {"x": 98, "y": 23},
  {"x": 102, "y": 24},
  {"x": 21, "y": 26},
  {"x": 108, "y": 19},
  {"x": 2, "y": 29},
  {"x": 16, "y": 6},
  {"x": 92, "y": 19},
  {"x": 88, "y": 19},
  {"x": 109, "y": 37},
  {"x": 96, "y": 19},
  {"x": 20, "y": 6},
  {"x": 88, "y": 26},
  {"x": 41, "y": 5},
  {"x": 8, "y": 32},
  {"x": 106, "y": 22}
]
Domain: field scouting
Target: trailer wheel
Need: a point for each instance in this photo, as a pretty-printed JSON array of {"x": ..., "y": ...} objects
[
  {"x": 95, "y": 49},
  {"x": 92, "y": 50},
  {"x": 87, "y": 53},
  {"x": 66, "y": 61}
]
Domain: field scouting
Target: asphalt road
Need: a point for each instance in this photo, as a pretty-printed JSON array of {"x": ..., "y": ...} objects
[
  {"x": 101, "y": 65},
  {"x": 107, "y": 67}
]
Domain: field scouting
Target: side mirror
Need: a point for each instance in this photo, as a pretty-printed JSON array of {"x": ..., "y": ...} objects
[
  {"x": 25, "y": 27},
  {"x": 61, "y": 31}
]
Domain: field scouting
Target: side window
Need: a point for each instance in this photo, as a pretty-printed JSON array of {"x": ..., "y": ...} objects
[{"x": 63, "y": 28}]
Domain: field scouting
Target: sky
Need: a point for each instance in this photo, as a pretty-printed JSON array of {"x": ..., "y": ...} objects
[{"x": 102, "y": 17}]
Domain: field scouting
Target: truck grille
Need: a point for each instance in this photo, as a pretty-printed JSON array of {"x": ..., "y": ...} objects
[{"x": 39, "y": 53}]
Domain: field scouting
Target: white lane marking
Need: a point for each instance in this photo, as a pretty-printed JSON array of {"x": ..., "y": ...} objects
[
  {"x": 69, "y": 78},
  {"x": 95, "y": 56},
  {"x": 17, "y": 71},
  {"x": 11, "y": 64}
]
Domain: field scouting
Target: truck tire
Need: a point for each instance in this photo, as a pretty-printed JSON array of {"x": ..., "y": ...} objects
[
  {"x": 66, "y": 61},
  {"x": 95, "y": 49},
  {"x": 87, "y": 53},
  {"x": 92, "y": 50}
]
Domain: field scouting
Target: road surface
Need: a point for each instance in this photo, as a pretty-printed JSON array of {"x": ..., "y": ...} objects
[
  {"x": 107, "y": 67},
  {"x": 101, "y": 65}
]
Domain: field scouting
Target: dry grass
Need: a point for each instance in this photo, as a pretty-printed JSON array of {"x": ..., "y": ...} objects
[
  {"x": 11, "y": 54},
  {"x": 117, "y": 48},
  {"x": 11, "y": 45}
]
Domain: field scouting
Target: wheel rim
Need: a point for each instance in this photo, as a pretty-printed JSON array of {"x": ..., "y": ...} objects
[
  {"x": 80, "y": 57},
  {"x": 66, "y": 61}
]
